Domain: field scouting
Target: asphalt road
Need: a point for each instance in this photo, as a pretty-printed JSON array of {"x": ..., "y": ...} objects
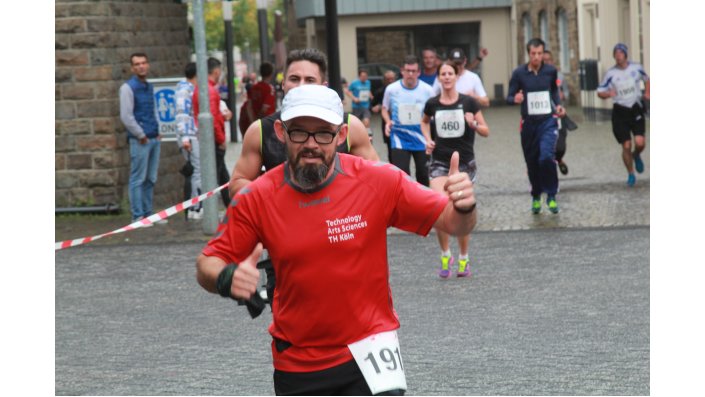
[{"x": 547, "y": 312}]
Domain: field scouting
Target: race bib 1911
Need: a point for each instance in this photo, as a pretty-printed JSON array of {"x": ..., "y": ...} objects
[
  {"x": 450, "y": 123},
  {"x": 379, "y": 359},
  {"x": 409, "y": 114},
  {"x": 538, "y": 103}
]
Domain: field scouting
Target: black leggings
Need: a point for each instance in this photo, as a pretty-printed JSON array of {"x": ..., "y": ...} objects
[{"x": 402, "y": 159}]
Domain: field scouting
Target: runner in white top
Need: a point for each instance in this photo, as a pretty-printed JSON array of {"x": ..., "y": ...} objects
[
  {"x": 622, "y": 84},
  {"x": 468, "y": 83}
]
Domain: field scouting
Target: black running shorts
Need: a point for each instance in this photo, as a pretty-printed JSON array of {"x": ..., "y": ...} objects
[{"x": 627, "y": 121}]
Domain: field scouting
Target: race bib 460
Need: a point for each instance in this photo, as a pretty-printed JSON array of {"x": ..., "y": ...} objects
[{"x": 450, "y": 123}]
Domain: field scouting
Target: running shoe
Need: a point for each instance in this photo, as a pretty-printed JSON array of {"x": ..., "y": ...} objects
[
  {"x": 536, "y": 205},
  {"x": 446, "y": 263},
  {"x": 638, "y": 164},
  {"x": 552, "y": 204},
  {"x": 463, "y": 267},
  {"x": 631, "y": 180},
  {"x": 563, "y": 167}
]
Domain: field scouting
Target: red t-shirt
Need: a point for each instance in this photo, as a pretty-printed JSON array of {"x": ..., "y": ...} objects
[
  {"x": 329, "y": 252},
  {"x": 262, "y": 94},
  {"x": 214, "y": 102}
]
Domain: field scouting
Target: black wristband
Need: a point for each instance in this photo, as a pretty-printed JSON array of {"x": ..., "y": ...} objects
[
  {"x": 225, "y": 280},
  {"x": 478, "y": 58},
  {"x": 467, "y": 211}
]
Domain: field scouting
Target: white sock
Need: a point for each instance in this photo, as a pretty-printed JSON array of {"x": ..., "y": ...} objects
[
  {"x": 445, "y": 253},
  {"x": 463, "y": 257}
]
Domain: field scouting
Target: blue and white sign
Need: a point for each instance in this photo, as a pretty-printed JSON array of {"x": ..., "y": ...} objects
[{"x": 165, "y": 106}]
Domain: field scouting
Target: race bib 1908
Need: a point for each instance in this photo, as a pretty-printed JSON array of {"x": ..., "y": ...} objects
[
  {"x": 450, "y": 123},
  {"x": 379, "y": 359},
  {"x": 409, "y": 114},
  {"x": 626, "y": 90},
  {"x": 538, "y": 103}
]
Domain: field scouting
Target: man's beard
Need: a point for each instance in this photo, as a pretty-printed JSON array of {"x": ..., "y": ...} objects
[{"x": 309, "y": 176}]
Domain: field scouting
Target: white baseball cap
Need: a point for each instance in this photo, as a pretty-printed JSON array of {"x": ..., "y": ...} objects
[{"x": 313, "y": 101}]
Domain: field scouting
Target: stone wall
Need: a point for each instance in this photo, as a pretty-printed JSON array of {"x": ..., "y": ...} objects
[
  {"x": 533, "y": 8},
  {"x": 93, "y": 42}
]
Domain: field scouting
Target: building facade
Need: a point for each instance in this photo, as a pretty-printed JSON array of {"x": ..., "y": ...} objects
[
  {"x": 93, "y": 43},
  {"x": 604, "y": 23},
  {"x": 373, "y": 32}
]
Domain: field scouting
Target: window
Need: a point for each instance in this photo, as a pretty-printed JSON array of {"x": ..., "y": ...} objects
[
  {"x": 563, "y": 46},
  {"x": 543, "y": 28},
  {"x": 528, "y": 32}
]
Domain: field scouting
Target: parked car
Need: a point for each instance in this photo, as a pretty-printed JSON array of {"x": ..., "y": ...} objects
[{"x": 375, "y": 73}]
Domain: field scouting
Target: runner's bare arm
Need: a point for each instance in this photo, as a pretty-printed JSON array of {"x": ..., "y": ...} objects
[
  {"x": 387, "y": 119},
  {"x": 249, "y": 164},
  {"x": 482, "y": 128},
  {"x": 426, "y": 130},
  {"x": 360, "y": 144}
]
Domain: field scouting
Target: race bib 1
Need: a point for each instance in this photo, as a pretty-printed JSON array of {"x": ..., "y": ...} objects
[
  {"x": 409, "y": 114},
  {"x": 364, "y": 96},
  {"x": 450, "y": 123},
  {"x": 538, "y": 103},
  {"x": 379, "y": 359}
]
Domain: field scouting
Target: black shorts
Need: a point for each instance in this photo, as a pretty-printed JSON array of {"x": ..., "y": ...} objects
[
  {"x": 344, "y": 379},
  {"x": 438, "y": 168},
  {"x": 361, "y": 113},
  {"x": 627, "y": 121}
]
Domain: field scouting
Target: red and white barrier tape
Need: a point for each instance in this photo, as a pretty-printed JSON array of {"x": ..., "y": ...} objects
[{"x": 142, "y": 222}]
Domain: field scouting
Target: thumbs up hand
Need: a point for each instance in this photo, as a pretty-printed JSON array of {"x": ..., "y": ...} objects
[
  {"x": 459, "y": 186},
  {"x": 246, "y": 276}
]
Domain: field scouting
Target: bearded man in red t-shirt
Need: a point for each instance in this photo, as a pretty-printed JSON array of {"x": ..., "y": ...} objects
[{"x": 323, "y": 216}]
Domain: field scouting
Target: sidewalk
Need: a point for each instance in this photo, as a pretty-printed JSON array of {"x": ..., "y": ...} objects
[{"x": 593, "y": 194}]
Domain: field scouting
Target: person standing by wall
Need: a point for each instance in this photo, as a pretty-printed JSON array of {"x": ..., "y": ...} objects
[{"x": 138, "y": 115}]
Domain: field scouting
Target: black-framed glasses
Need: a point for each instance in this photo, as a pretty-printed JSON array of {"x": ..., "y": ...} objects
[{"x": 301, "y": 136}]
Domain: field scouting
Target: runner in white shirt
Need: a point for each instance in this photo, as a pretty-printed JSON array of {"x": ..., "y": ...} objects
[
  {"x": 622, "y": 84},
  {"x": 468, "y": 83}
]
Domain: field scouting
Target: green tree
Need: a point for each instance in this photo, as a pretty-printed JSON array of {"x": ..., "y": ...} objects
[{"x": 245, "y": 27}]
